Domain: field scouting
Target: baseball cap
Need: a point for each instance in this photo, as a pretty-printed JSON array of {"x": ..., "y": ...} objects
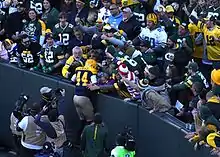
[
  {"x": 45, "y": 90},
  {"x": 127, "y": 10},
  {"x": 169, "y": 9}
]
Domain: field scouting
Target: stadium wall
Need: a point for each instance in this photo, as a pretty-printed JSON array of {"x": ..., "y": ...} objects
[{"x": 155, "y": 137}]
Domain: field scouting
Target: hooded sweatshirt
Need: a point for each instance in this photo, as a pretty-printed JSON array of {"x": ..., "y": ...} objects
[{"x": 114, "y": 21}]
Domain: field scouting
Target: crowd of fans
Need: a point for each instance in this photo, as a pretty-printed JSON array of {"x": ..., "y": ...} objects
[{"x": 162, "y": 54}]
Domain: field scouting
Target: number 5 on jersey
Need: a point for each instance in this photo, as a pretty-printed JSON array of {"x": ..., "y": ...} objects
[{"x": 82, "y": 77}]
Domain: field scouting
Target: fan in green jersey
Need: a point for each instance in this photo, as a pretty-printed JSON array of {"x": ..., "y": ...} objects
[
  {"x": 52, "y": 56},
  {"x": 63, "y": 31}
]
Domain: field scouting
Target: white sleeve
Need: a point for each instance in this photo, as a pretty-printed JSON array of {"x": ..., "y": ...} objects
[
  {"x": 73, "y": 78},
  {"x": 93, "y": 79},
  {"x": 142, "y": 35},
  {"x": 162, "y": 37},
  {"x": 23, "y": 123}
]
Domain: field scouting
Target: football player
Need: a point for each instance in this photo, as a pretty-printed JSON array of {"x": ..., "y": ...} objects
[
  {"x": 52, "y": 56},
  {"x": 83, "y": 76},
  {"x": 63, "y": 31},
  {"x": 29, "y": 52}
]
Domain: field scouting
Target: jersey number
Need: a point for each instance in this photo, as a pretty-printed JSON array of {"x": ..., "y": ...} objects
[
  {"x": 49, "y": 56},
  {"x": 37, "y": 6},
  {"x": 82, "y": 78},
  {"x": 64, "y": 38},
  {"x": 140, "y": 18},
  {"x": 132, "y": 62},
  {"x": 27, "y": 57},
  {"x": 210, "y": 40}
]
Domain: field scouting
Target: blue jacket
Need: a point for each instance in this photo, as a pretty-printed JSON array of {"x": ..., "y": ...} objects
[{"x": 115, "y": 20}]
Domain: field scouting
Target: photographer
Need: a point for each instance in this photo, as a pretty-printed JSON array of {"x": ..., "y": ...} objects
[
  {"x": 15, "y": 117},
  {"x": 54, "y": 128},
  {"x": 125, "y": 145},
  {"x": 33, "y": 137},
  {"x": 50, "y": 97}
]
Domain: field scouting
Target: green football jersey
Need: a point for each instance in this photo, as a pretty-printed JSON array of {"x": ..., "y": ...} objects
[
  {"x": 51, "y": 55},
  {"x": 132, "y": 64},
  {"x": 213, "y": 12},
  {"x": 37, "y": 5},
  {"x": 140, "y": 13},
  {"x": 63, "y": 34},
  {"x": 33, "y": 29}
]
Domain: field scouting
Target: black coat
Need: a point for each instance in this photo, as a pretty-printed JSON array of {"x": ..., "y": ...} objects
[{"x": 131, "y": 27}]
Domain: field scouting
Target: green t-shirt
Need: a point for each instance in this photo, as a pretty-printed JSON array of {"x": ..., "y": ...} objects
[{"x": 120, "y": 151}]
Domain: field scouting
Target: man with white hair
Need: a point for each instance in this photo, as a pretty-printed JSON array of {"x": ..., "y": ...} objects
[{"x": 73, "y": 62}]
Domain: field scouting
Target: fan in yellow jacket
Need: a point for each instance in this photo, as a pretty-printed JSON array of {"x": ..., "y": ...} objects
[
  {"x": 212, "y": 38},
  {"x": 198, "y": 47},
  {"x": 73, "y": 62}
]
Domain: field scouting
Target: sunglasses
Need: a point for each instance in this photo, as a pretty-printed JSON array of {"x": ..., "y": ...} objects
[{"x": 112, "y": 8}]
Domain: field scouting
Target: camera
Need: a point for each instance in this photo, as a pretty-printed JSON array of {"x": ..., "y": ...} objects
[
  {"x": 19, "y": 104},
  {"x": 130, "y": 143}
]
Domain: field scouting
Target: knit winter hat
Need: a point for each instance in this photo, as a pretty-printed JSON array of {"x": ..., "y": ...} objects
[
  {"x": 155, "y": 70},
  {"x": 123, "y": 69},
  {"x": 142, "y": 84}
]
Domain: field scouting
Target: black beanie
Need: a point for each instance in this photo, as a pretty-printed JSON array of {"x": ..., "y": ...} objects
[
  {"x": 155, "y": 70},
  {"x": 97, "y": 118}
]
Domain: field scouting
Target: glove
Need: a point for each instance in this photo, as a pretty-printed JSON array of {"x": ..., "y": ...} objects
[
  {"x": 60, "y": 92},
  {"x": 49, "y": 70},
  {"x": 44, "y": 69},
  {"x": 36, "y": 68}
]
